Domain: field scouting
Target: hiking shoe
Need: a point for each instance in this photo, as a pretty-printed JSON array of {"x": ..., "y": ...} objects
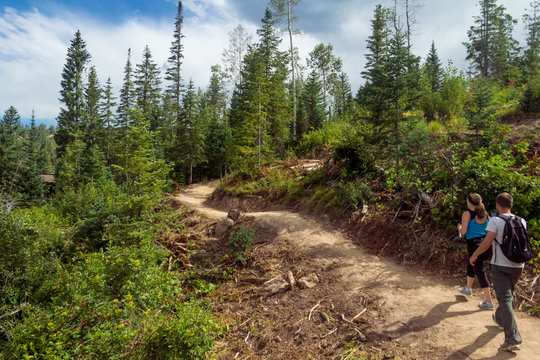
[
  {"x": 465, "y": 291},
  {"x": 510, "y": 347},
  {"x": 495, "y": 321},
  {"x": 484, "y": 305}
]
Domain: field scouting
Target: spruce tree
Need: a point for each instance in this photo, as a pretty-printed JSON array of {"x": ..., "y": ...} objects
[
  {"x": 173, "y": 72},
  {"x": 11, "y": 151},
  {"x": 532, "y": 51},
  {"x": 148, "y": 91},
  {"x": 72, "y": 113},
  {"x": 491, "y": 47},
  {"x": 93, "y": 126},
  {"x": 127, "y": 95},
  {"x": 108, "y": 120},
  {"x": 403, "y": 76},
  {"x": 312, "y": 109},
  {"x": 374, "y": 94},
  {"x": 434, "y": 68}
]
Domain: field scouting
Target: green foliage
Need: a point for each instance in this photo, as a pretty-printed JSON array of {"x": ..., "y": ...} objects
[
  {"x": 317, "y": 140},
  {"x": 240, "y": 241},
  {"x": 358, "y": 155},
  {"x": 119, "y": 303},
  {"x": 36, "y": 244}
]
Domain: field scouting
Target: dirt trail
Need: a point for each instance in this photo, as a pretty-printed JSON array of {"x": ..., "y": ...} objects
[{"x": 421, "y": 311}]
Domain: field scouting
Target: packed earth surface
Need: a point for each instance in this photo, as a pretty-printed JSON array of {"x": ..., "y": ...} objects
[{"x": 337, "y": 300}]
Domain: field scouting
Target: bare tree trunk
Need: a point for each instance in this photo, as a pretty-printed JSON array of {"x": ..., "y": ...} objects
[{"x": 292, "y": 65}]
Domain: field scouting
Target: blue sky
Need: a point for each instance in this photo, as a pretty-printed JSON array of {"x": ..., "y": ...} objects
[{"x": 35, "y": 35}]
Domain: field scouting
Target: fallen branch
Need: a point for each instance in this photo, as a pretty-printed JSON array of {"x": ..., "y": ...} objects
[
  {"x": 359, "y": 314},
  {"x": 14, "y": 311},
  {"x": 313, "y": 308},
  {"x": 397, "y": 212},
  {"x": 347, "y": 321},
  {"x": 330, "y": 333}
]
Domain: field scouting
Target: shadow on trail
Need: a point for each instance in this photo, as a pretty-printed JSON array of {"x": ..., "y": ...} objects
[
  {"x": 481, "y": 341},
  {"x": 438, "y": 313}
]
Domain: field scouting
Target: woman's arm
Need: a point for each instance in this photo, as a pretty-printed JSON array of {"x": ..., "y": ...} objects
[
  {"x": 465, "y": 218},
  {"x": 488, "y": 240}
]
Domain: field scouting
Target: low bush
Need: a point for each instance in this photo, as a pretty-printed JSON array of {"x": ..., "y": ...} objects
[{"x": 240, "y": 241}]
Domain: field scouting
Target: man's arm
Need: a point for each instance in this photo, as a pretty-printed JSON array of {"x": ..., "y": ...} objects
[{"x": 488, "y": 240}]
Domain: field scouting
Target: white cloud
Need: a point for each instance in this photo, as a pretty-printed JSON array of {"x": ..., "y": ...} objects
[
  {"x": 33, "y": 51},
  {"x": 33, "y": 45}
]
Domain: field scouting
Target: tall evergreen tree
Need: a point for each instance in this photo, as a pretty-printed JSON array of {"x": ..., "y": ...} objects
[
  {"x": 217, "y": 92},
  {"x": 173, "y": 72},
  {"x": 532, "y": 26},
  {"x": 191, "y": 131},
  {"x": 127, "y": 95},
  {"x": 373, "y": 95},
  {"x": 108, "y": 120},
  {"x": 312, "y": 107},
  {"x": 72, "y": 92},
  {"x": 31, "y": 183},
  {"x": 148, "y": 91},
  {"x": 434, "y": 68},
  {"x": 403, "y": 76},
  {"x": 342, "y": 93},
  {"x": 11, "y": 151},
  {"x": 491, "y": 47},
  {"x": 93, "y": 126}
]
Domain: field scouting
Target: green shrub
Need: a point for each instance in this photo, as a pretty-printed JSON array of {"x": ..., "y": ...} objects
[{"x": 241, "y": 241}]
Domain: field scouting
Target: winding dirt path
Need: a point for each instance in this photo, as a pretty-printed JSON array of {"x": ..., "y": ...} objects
[{"x": 421, "y": 310}]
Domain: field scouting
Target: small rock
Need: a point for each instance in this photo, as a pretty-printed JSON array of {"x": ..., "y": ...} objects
[
  {"x": 274, "y": 286},
  {"x": 223, "y": 226},
  {"x": 234, "y": 214},
  {"x": 292, "y": 281},
  {"x": 308, "y": 282}
]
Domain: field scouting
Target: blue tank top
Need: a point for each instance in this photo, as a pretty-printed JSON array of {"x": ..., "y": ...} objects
[{"x": 475, "y": 230}]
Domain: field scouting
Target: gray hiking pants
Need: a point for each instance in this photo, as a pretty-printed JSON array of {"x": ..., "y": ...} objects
[{"x": 504, "y": 281}]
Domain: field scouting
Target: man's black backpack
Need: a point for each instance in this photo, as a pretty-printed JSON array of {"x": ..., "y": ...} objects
[{"x": 516, "y": 244}]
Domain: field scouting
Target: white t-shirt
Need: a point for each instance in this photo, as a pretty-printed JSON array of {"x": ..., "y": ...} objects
[{"x": 496, "y": 225}]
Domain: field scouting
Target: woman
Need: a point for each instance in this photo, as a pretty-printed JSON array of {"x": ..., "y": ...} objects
[{"x": 473, "y": 226}]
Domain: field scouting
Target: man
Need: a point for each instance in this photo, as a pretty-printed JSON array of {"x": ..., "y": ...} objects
[{"x": 505, "y": 273}]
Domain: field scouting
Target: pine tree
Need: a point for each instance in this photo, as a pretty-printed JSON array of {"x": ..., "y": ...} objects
[
  {"x": 191, "y": 131},
  {"x": 143, "y": 173},
  {"x": 434, "y": 68},
  {"x": 403, "y": 74},
  {"x": 31, "y": 182},
  {"x": 93, "y": 126},
  {"x": 11, "y": 151},
  {"x": 312, "y": 109},
  {"x": 278, "y": 116},
  {"x": 127, "y": 95},
  {"x": 491, "y": 47},
  {"x": 148, "y": 91},
  {"x": 173, "y": 73},
  {"x": 342, "y": 93},
  {"x": 532, "y": 25},
  {"x": 248, "y": 117},
  {"x": 217, "y": 92},
  {"x": 108, "y": 120},
  {"x": 72, "y": 92},
  {"x": 373, "y": 95}
]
